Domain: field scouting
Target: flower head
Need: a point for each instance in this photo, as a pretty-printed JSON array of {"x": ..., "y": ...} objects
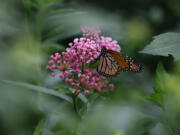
[{"x": 83, "y": 50}]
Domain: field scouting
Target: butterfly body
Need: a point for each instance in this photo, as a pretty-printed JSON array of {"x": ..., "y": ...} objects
[{"x": 111, "y": 63}]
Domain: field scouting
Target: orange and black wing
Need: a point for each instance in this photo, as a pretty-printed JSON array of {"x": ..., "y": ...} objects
[
  {"x": 122, "y": 62},
  {"x": 125, "y": 63},
  {"x": 110, "y": 63},
  {"x": 107, "y": 66}
]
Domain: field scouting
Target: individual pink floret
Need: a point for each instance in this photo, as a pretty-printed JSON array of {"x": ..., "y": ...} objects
[{"x": 87, "y": 92}]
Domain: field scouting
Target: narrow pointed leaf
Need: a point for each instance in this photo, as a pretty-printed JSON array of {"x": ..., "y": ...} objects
[
  {"x": 39, "y": 89},
  {"x": 83, "y": 98},
  {"x": 39, "y": 127}
]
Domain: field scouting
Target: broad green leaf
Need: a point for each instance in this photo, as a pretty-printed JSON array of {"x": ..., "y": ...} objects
[
  {"x": 159, "y": 86},
  {"x": 160, "y": 79},
  {"x": 164, "y": 45},
  {"x": 39, "y": 127},
  {"x": 155, "y": 98},
  {"x": 39, "y": 89}
]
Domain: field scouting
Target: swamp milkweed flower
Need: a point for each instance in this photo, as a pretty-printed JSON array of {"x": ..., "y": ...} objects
[{"x": 83, "y": 51}]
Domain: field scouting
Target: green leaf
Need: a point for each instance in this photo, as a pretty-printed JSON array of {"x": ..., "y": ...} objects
[
  {"x": 40, "y": 89},
  {"x": 82, "y": 98},
  {"x": 39, "y": 127},
  {"x": 155, "y": 98},
  {"x": 159, "y": 86},
  {"x": 164, "y": 45},
  {"x": 160, "y": 79}
]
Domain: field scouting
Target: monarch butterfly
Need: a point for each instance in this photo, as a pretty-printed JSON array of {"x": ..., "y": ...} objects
[{"x": 111, "y": 62}]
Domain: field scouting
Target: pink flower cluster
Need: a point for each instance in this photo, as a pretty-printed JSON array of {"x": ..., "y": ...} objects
[
  {"x": 83, "y": 50},
  {"x": 57, "y": 62},
  {"x": 86, "y": 50},
  {"x": 89, "y": 81},
  {"x": 85, "y": 80}
]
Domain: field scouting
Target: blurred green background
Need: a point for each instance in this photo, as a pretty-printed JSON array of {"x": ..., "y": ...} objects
[{"x": 147, "y": 103}]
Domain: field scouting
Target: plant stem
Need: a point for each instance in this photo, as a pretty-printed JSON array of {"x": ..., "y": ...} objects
[
  {"x": 74, "y": 103},
  {"x": 75, "y": 106},
  {"x": 76, "y": 111}
]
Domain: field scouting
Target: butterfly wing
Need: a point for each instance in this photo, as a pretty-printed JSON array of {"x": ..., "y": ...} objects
[
  {"x": 125, "y": 63},
  {"x": 134, "y": 66},
  {"x": 120, "y": 60},
  {"x": 107, "y": 66},
  {"x": 110, "y": 63}
]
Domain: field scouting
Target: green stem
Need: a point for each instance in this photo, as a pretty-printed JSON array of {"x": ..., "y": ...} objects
[
  {"x": 76, "y": 111},
  {"x": 75, "y": 104}
]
